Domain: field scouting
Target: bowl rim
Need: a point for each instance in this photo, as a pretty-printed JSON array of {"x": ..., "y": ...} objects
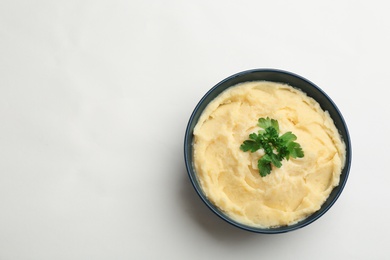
[{"x": 196, "y": 185}]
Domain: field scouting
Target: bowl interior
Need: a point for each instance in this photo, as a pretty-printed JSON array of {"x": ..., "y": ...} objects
[{"x": 275, "y": 76}]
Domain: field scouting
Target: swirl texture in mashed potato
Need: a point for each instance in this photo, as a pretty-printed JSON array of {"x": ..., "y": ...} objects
[{"x": 230, "y": 178}]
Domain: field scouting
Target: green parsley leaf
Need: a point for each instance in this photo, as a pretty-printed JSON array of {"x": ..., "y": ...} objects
[
  {"x": 264, "y": 165},
  {"x": 250, "y": 145},
  {"x": 268, "y": 122},
  {"x": 288, "y": 137},
  {"x": 269, "y": 140},
  {"x": 295, "y": 150},
  {"x": 253, "y": 136},
  {"x": 275, "y": 160}
]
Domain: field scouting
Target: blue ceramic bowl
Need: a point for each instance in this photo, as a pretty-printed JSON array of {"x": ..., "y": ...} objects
[{"x": 275, "y": 76}]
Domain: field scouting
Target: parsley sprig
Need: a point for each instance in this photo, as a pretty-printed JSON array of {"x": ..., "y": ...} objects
[{"x": 276, "y": 148}]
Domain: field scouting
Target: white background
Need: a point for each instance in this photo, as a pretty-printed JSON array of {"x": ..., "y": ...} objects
[{"x": 94, "y": 101}]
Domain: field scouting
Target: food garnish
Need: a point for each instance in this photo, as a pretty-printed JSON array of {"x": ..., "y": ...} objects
[{"x": 276, "y": 148}]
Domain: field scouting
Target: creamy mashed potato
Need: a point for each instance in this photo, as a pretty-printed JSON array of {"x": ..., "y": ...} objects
[{"x": 230, "y": 177}]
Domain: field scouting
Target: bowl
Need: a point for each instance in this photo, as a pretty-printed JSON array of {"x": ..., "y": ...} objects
[{"x": 279, "y": 76}]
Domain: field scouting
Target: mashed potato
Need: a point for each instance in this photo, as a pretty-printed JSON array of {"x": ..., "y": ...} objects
[{"x": 230, "y": 177}]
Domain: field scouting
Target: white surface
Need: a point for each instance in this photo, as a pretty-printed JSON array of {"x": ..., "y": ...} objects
[{"x": 95, "y": 97}]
